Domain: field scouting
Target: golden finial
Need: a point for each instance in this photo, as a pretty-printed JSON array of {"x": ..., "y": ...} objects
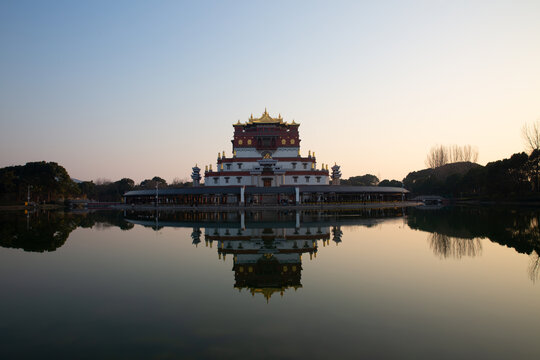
[
  {"x": 312, "y": 166},
  {"x": 210, "y": 167},
  {"x": 218, "y": 155},
  {"x": 196, "y": 165},
  {"x": 327, "y": 167},
  {"x": 314, "y": 154},
  {"x": 221, "y": 166},
  {"x": 309, "y": 153},
  {"x": 265, "y": 112},
  {"x": 206, "y": 168},
  {"x": 224, "y": 154}
]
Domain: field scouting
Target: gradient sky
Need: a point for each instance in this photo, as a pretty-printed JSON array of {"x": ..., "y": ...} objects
[{"x": 113, "y": 89}]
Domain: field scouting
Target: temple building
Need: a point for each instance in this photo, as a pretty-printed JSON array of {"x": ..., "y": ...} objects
[
  {"x": 265, "y": 167},
  {"x": 266, "y": 153}
]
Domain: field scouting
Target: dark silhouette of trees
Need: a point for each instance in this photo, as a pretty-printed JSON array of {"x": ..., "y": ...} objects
[
  {"x": 364, "y": 180},
  {"x": 106, "y": 191},
  {"x": 391, "y": 183},
  {"x": 151, "y": 183},
  {"x": 515, "y": 177},
  {"x": 47, "y": 181}
]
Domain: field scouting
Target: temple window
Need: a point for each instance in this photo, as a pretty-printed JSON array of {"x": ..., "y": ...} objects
[
  {"x": 307, "y": 179},
  {"x": 294, "y": 165},
  {"x": 215, "y": 180},
  {"x": 228, "y": 166},
  {"x": 238, "y": 179},
  {"x": 305, "y": 165},
  {"x": 318, "y": 179},
  {"x": 295, "y": 179},
  {"x": 239, "y": 165},
  {"x": 226, "y": 179}
]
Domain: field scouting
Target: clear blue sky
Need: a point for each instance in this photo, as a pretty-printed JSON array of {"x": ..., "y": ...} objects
[{"x": 113, "y": 89}]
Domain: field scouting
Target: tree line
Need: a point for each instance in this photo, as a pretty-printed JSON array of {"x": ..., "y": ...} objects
[
  {"x": 516, "y": 177},
  {"x": 50, "y": 182}
]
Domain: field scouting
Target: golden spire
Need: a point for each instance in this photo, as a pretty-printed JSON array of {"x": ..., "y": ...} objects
[
  {"x": 224, "y": 154},
  {"x": 221, "y": 166},
  {"x": 206, "y": 168},
  {"x": 312, "y": 166},
  {"x": 218, "y": 155},
  {"x": 210, "y": 167},
  {"x": 314, "y": 154},
  {"x": 309, "y": 153},
  {"x": 299, "y": 152}
]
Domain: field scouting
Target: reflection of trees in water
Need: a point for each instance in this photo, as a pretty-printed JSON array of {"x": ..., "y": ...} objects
[
  {"x": 49, "y": 230},
  {"x": 446, "y": 246},
  {"x": 534, "y": 266}
]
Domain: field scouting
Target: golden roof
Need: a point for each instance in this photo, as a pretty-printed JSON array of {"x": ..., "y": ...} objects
[{"x": 266, "y": 119}]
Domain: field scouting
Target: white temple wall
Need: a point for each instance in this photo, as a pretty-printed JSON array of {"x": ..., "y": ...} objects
[{"x": 250, "y": 165}]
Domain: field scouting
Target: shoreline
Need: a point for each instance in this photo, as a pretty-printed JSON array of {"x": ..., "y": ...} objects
[
  {"x": 269, "y": 207},
  {"x": 202, "y": 208}
]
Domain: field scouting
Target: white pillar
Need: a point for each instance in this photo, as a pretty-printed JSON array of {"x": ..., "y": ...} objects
[
  {"x": 297, "y": 194},
  {"x": 242, "y": 189}
]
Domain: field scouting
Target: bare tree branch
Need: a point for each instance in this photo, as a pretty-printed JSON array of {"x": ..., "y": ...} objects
[{"x": 531, "y": 135}]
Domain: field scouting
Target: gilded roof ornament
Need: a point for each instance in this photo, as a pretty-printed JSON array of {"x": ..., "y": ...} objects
[{"x": 266, "y": 119}]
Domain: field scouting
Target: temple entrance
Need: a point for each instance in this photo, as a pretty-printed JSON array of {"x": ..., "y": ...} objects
[{"x": 267, "y": 182}]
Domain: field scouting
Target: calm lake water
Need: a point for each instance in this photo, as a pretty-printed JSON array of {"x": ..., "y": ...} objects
[{"x": 448, "y": 283}]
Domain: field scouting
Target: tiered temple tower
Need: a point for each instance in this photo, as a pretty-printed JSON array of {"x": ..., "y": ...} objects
[
  {"x": 266, "y": 153},
  {"x": 336, "y": 174},
  {"x": 196, "y": 176}
]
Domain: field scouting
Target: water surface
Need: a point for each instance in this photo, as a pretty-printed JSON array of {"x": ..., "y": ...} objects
[{"x": 392, "y": 283}]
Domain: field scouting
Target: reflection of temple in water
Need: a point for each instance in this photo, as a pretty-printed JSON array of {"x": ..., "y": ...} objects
[
  {"x": 268, "y": 260},
  {"x": 267, "y": 248}
]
